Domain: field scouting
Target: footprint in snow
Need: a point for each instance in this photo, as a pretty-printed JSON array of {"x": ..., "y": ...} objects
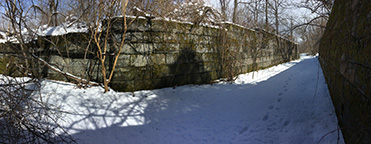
[
  {"x": 279, "y": 100},
  {"x": 265, "y": 117},
  {"x": 286, "y": 123},
  {"x": 244, "y": 129},
  {"x": 271, "y": 107}
]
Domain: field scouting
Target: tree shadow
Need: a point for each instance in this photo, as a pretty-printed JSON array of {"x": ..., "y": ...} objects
[
  {"x": 151, "y": 116},
  {"x": 188, "y": 113},
  {"x": 188, "y": 68}
]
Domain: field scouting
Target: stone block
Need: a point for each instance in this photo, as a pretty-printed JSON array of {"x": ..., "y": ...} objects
[
  {"x": 178, "y": 80},
  {"x": 141, "y": 48},
  {"x": 162, "y": 82},
  {"x": 134, "y": 37},
  {"x": 124, "y": 73},
  {"x": 139, "y": 60},
  {"x": 201, "y": 48},
  {"x": 143, "y": 84},
  {"x": 125, "y": 85},
  {"x": 170, "y": 58},
  {"x": 159, "y": 71},
  {"x": 57, "y": 60},
  {"x": 210, "y": 66},
  {"x": 127, "y": 49},
  {"x": 207, "y": 57},
  {"x": 166, "y": 48},
  {"x": 123, "y": 60},
  {"x": 214, "y": 75},
  {"x": 158, "y": 59}
]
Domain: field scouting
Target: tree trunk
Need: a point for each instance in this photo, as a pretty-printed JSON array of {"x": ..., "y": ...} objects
[
  {"x": 53, "y": 5},
  {"x": 223, "y": 7},
  {"x": 234, "y": 18},
  {"x": 266, "y": 14},
  {"x": 276, "y": 16}
]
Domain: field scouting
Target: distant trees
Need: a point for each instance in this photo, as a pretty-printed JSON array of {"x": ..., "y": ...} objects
[
  {"x": 277, "y": 7},
  {"x": 224, "y": 7},
  {"x": 52, "y": 12},
  {"x": 257, "y": 12},
  {"x": 272, "y": 16},
  {"x": 312, "y": 28}
]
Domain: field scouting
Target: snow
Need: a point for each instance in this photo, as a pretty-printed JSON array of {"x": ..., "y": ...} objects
[
  {"x": 3, "y": 37},
  {"x": 186, "y": 12},
  {"x": 142, "y": 11},
  {"x": 71, "y": 25},
  {"x": 231, "y": 23},
  {"x": 281, "y": 104},
  {"x": 65, "y": 28}
]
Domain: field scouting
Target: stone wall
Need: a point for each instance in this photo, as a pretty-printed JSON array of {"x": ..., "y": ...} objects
[
  {"x": 345, "y": 56},
  {"x": 159, "y": 53}
]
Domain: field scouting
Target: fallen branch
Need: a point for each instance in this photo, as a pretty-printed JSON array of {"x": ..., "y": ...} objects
[
  {"x": 328, "y": 134},
  {"x": 78, "y": 79}
]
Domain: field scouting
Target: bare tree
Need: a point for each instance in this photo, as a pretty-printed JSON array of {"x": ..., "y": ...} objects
[
  {"x": 311, "y": 29},
  {"x": 24, "y": 116},
  {"x": 155, "y": 8},
  {"x": 277, "y": 7},
  {"x": 311, "y": 36},
  {"x": 106, "y": 10},
  {"x": 235, "y": 9},
  {"x": 53, "y": 7},
  {"x": 266, "y": 14},
  {"x": 224, "y": 7},
  {"x": 254, "y": 10},
  {"x": 320, "y": 8}
]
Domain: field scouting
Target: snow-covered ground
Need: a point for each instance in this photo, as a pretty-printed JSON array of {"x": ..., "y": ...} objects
[{"x": 288, "y": 103}]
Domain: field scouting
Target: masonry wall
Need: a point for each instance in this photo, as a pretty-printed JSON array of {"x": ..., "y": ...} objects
[
  {"x": 345, "y": 56},
  {"x": 160, "y": 53}
]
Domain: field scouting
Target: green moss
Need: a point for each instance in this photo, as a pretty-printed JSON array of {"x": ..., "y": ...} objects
[
  {"x": 3, "y": 64},
  {"x": 8, "y": 66},
  {"x": 125, "y": 85},
  {"x": 160, "y": 71}
]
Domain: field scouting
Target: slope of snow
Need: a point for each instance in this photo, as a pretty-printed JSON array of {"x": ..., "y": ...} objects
[{"x": 288, "y": 103}]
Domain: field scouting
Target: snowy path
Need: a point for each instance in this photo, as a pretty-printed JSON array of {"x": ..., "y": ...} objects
[{"x": 277, "y": 106}]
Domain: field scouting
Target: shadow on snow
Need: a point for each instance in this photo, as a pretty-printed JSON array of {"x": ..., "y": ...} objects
[{"x": 202, "y": 114}]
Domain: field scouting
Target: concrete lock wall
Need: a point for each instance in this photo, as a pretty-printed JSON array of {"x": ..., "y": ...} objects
[
  {"x": 345, "y": 52},
  {"x": 159, "y": 53}
]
